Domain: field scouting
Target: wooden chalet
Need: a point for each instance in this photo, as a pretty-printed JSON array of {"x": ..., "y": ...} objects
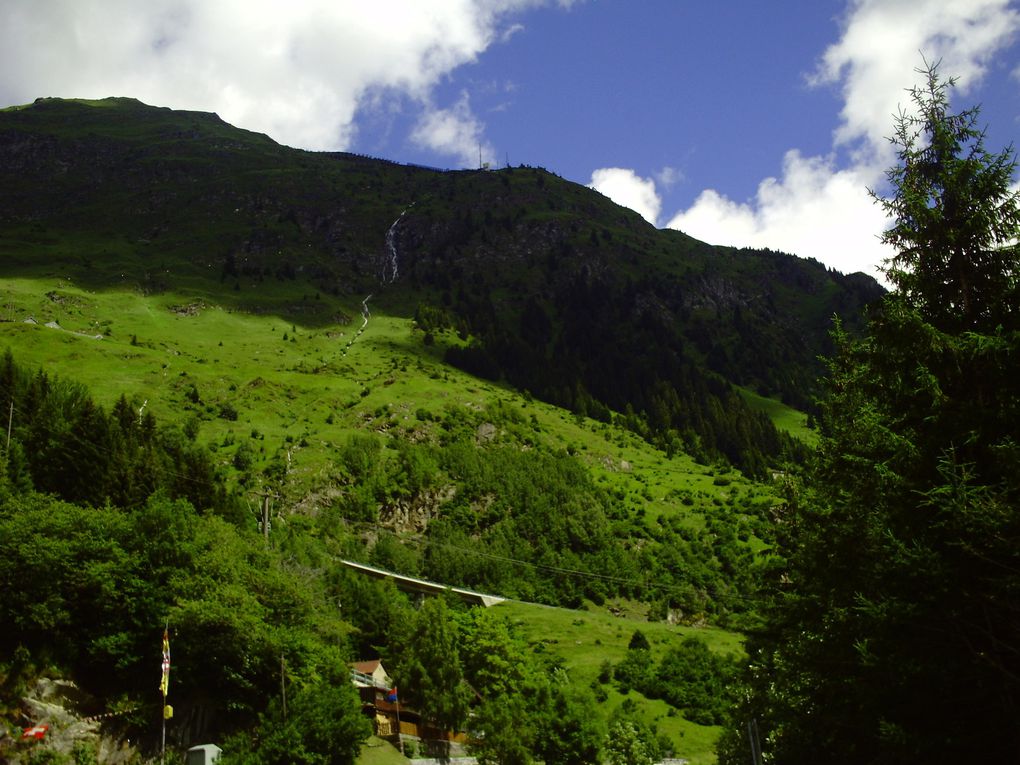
[{"x": 393, "y": 720}]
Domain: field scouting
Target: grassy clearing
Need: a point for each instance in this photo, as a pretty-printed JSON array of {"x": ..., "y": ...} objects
[
  {"x": 584, "y": 639},
  {"x": 378, "y": 752},
  {"x": 783, "y": 417}
]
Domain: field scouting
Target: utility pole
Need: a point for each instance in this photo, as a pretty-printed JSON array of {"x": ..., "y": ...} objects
[
  {"x": 264, "y": 512},
  {"x": 265, "y": 516},
  {"x": 10, "y": 421},
  {"x": 400, "y": 738},
  {"x": 752, "y": 736},
  {"x": 283, "y": 684}
]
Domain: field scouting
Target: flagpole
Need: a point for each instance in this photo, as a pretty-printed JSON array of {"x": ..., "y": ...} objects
[
  {"x": 164, "y": 685},
  {"x": 400, "y": 738},
  {"x": 162, "y": 717}
]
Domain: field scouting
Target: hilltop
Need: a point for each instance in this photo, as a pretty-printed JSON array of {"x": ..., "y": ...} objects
[{"x": 549, "y": 286}]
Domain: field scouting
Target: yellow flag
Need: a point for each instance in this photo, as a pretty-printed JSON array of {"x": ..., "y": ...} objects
[{"x": 164, "y": 683}]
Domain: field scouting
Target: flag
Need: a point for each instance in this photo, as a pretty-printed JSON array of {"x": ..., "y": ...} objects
[
  {"x": 392, "y": 695},
  {"x": 36, "y": 731},
  {"x": 164, "y": 682}
]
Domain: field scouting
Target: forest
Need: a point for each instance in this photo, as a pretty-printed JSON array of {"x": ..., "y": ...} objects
[{"x": 889, "y": 630}]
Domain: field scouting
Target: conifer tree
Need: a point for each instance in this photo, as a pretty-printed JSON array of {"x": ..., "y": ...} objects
[
  {"x": 955, "y": 216},
  {"x": 892, "y": 634},
  {"x": 427, "y": 667}
]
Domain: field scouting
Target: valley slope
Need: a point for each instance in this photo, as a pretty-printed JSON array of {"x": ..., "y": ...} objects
[
  {"x": 549, "y": 286},
  {"x": 496, "y": 379}
]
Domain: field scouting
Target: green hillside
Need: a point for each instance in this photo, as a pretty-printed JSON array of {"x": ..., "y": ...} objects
[
  {"x": 300, "y": 396},
  {"x": 550, "y": 286},
  {"x": 499, "y": 380}
]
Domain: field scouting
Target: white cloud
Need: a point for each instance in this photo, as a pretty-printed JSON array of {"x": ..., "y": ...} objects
[
  {"x": 818, "y": 208},
  {"x": 668, "y": 177},
  {"x": 814, "y": 210},
  {"x": 627, "y": 188},
  {"x": 882, "y": 44},
  {"x": 510, "y": 31},
  {"x": 299, "y": 71},
  {"x": 454, "y": 131}
]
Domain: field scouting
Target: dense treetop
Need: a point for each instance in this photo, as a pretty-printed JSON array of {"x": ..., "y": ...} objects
[{"x": 892, "y": 632}]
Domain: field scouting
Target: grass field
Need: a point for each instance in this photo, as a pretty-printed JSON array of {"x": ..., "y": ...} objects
[
  {"x": 584, "y": 639},
  {"x": 375, "y": 751},
  {"x": 783, "y": 417}
]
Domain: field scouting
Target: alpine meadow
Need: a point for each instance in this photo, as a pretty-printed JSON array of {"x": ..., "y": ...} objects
[{"x": 323, "y": 458}]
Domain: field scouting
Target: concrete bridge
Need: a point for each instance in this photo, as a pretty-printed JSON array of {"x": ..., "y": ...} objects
[{"x": 425, "y": 587}]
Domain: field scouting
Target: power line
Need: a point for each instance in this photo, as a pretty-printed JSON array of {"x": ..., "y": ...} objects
[{"x": 645, "y": 585}]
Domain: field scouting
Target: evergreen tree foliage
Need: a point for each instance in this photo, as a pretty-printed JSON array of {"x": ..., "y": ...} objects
[
  {"x": 322, "y": 725},
  {"x": 426, "y": 665},
  {"x": 65, "y": 444},
  {"x": 956, "y": 216},
  {"x": 892, "y": 637},
  {"x": 638, "y": 641}
]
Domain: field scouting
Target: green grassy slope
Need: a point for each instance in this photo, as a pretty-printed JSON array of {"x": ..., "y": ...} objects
[
  {"x": 286, "y": 380},
  {"x": 584, "y": 639},
  {"x": 785, "y": 418},
  {"x": 561, "y": 291}
]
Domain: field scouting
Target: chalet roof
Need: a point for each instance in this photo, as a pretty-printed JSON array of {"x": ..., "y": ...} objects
[
  {"x": 367, "y": 667},
  {"x": 370, "y": 674}
]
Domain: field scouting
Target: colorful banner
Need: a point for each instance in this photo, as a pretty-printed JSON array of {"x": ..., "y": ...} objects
[{"x": 164, "y": 683}]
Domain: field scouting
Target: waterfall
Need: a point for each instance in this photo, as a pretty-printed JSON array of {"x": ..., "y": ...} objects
[{"x": 391, "y": 244}]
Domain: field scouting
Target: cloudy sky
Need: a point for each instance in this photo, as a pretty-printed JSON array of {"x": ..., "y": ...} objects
[{"x": 740, "y": 122}]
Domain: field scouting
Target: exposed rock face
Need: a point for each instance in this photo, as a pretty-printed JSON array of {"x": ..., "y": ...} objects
[
  {"x": 486, "y": 432},
  {"x": 74, "y": 726},
  {"x": 413, "y": 515}
]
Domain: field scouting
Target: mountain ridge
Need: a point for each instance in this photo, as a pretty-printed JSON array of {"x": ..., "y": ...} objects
[{"x": 550, "y": 285}]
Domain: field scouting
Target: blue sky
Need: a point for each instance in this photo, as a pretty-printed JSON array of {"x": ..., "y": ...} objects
[
  {"x": 652, "y": 85},
  {"x": 741, "y": 122}
]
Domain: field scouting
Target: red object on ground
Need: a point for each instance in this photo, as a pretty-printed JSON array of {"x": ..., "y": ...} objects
[{"x": 36, "y": 731}]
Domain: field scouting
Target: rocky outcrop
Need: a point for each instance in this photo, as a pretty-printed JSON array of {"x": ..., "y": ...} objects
[{"x": 73, "y": 727}]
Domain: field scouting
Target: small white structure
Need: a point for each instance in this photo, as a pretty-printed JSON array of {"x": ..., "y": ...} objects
[
  {"x": 370, "y": 674},
  {"x": 204, "y": 754}
]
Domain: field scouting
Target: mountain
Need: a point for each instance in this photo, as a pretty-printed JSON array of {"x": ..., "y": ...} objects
[
  {"x": 547, "y": 284},
  {"x": 208, "y": 331}
]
